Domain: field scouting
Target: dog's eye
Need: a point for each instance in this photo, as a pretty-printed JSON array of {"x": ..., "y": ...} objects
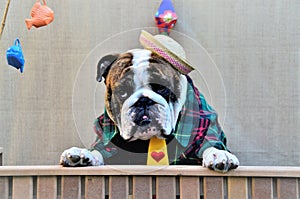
[
  {"x": 164, "y": 92},
  {"x": 160, "y": 89},
  {"x": 123, "y": 94}
]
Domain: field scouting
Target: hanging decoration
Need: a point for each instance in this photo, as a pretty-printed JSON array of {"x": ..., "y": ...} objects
[
  {"x": 165, "y": 17},
  {"x": 4, "y": 17},
  {"x": 14, "y": 56},
  {"x": 41, "y": 15}
]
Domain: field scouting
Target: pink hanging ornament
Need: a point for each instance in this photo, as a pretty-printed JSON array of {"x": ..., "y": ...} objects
[{"x": 165, "y": 17}]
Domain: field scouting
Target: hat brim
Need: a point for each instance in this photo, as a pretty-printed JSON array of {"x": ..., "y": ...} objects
[{"x": 151, "y": 43}]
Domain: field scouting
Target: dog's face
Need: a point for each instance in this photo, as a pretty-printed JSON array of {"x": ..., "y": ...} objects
[{"x": 144, "y": 93}]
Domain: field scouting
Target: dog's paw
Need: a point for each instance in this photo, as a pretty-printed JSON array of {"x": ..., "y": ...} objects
[
  {"x": 80, "y": 157},
  {"x": 219, "y": 160}
]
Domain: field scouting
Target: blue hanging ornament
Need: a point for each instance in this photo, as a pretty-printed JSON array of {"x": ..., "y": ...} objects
[
  {"x": 165, "y": 17},
  {"x": 14, "y": 56}
]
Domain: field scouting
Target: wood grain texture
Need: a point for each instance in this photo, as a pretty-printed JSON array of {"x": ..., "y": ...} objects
[
  {"x": 262, "y": 188},
  {"x": 71, "y": 187},
  {"x": 22, "y": 187},
  {"x": 237, "y": 187},
  {"x": 287, "y": 188},
  {"x": 94, "y": 187},
  {"x": 213, "y": 187},
  {"x": 118, "y": 187},
  {"x": 242, "y": 171},
  {"x": 46, "y": 187},
  {"x": 142, "y": 187},
  {"x": 4, "y": 187},
  {"x": 119, "y": 183},
  {"x": 189, "y": 187},
  {"x": 165, "y": 187}
]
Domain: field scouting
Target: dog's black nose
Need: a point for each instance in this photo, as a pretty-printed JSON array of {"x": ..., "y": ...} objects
[
  {"x": 142, "y": 111},
  {"x": 144, "y": 102}
]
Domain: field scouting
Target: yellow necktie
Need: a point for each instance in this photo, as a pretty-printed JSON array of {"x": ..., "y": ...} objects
[{"x": 157, "y": 152}]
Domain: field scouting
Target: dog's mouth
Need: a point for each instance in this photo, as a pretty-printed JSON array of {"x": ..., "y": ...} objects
[
  {"x": 147, "y": 133},
  {"x": 143, "y": 120}
]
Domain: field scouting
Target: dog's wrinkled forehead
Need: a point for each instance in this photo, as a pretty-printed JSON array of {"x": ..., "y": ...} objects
[{"x": 143, "y": 66}]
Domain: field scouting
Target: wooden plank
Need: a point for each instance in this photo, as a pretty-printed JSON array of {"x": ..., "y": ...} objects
[
  {"x": 70, "y": 187},
  {"x": 287, "y": 188},
  {"x": 213, "y": 187},
  {"x": 189, "y": 187},
  {"x": 4, "y": 187},
  {"x": 22, "y": 187},
  {"x": 165, "y": 187},
  {"x": 118, "y": 187},
  {"x": 46, "y": 187},
  {"x": 179, "y": 170},
  {"x": 237, "y": 187},
  {"x": 94, "y": 187},
  {"x": 142, "y": 187},
  {"x": 262, "y": 188}
]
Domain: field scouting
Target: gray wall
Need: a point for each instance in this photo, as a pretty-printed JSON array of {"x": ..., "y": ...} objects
[{"x": 247, "y": 54}]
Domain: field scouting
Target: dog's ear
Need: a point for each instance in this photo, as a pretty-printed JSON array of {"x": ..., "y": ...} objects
[{"x": 104, "y": 65}]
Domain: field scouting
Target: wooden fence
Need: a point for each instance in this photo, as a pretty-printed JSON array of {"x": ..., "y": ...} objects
[{"x": 140, "y": 182}]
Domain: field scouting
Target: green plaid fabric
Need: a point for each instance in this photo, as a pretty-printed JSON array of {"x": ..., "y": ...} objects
[{"x": 197, "y": 129}]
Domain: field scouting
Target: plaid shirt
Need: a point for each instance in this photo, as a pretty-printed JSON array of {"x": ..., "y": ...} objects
[{"x": 197, "y": 129}]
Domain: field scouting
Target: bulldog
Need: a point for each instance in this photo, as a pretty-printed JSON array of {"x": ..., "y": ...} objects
[{"x": 145, "y": 97}]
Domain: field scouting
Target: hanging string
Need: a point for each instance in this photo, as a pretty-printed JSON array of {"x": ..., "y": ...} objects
[{"x": 4, "y": 18}]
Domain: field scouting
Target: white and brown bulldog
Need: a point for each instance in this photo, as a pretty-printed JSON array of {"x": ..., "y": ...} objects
[{"x": 146, "y": 96}]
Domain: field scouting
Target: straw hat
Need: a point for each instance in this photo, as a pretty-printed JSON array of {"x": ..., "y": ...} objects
[{"x": 167, "y": 48}]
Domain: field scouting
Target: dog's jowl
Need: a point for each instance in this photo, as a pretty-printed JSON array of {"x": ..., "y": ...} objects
[{"x": 148, "y": 96}]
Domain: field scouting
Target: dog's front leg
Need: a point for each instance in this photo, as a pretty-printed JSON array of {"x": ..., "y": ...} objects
[
  {"x": 81, "y": 157},
  {"x": 219, "y": 160}
]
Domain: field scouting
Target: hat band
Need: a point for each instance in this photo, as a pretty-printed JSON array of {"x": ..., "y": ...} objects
[{"x": 154, "y": 48}]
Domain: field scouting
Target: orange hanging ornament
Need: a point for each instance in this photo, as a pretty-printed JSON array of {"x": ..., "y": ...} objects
[{"x": 41, "y": 15}]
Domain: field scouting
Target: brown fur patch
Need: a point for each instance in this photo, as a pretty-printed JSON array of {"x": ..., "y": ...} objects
[{"x": 116, "y": 72}]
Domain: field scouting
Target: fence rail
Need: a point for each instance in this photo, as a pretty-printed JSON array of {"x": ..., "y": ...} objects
[{"x": 137, "y": 181}]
